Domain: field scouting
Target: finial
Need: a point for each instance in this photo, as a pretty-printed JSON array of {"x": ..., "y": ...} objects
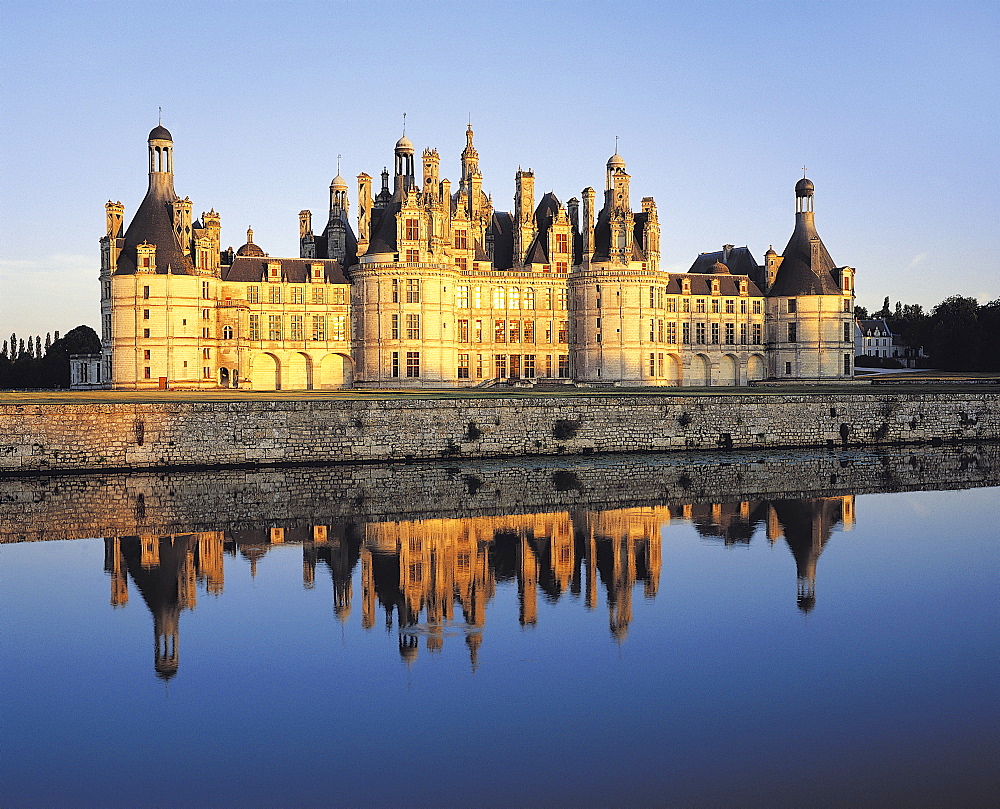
[
  {"x": 803, "y": 172},
  {"x": 404, "y": 124},
  {"x": 338, "y": 164},
  {"x": 159, "y": 116},
  {"x": 616, "y": 144},
  {"x": 249, "y": 235}
]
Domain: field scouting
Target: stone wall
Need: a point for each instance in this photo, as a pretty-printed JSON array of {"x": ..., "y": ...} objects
[
  {"x": 46, "y": 438},
  {"x": 119, "y": 504}
]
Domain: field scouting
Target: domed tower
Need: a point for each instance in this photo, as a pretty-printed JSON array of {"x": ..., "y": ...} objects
[
  {"x": 810, "y": 303},
  {"x": 404, "y": 166}
]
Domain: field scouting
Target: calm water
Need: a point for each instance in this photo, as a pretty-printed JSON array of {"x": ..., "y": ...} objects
[{"x": 691, "y": 650}]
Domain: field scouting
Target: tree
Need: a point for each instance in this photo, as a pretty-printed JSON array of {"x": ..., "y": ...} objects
[
  {"x": 884, "y": 311},
  {"x": 48, "y": 341},
  {"x": 20, "y": 349},
  {"x": 4, "y": 352},
  {"x": 861, "y": 313},
  {"x": 989, "y": 334},
  {"x": 38, "y": 346},
  {"x": 954, "y": 340}
]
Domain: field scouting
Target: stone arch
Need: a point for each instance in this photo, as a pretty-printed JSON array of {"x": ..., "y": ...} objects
[
  {"x": 336, "y": 371},
  {"x": 729, "y": 370},
  {"x": 674, "y": 370},
  {"x": 299, "y": 371},
  {"x": 756, "y": 367},
  {"x": 265, "y": 372},
  {"x": 700, "y": 372}
]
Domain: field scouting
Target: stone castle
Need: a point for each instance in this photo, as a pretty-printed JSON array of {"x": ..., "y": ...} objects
[{"x": 435, "y": 288}]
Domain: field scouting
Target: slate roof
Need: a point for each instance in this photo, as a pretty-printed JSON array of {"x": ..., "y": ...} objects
[
  {"x": 384, "y": 229},
  {"x": 502, "y": 227},
  {"x": 153, "y": 223},
  {"x": 796, "y": 274},
  {"x": 740, "y": 261},
  {"x": 701, "y": 284},
  {"x": 252, "y": 269},
  {"x": 874, "y": 328}
]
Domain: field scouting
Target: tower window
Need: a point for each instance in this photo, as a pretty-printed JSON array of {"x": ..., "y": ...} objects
[
  {"x": 792, "y": 306},
  {"x": 793, "y": 332},
  {"x": 412, "y": 229}
]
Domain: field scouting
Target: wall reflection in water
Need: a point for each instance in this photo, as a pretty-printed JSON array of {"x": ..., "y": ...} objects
[{"x": 433, "y": 579}]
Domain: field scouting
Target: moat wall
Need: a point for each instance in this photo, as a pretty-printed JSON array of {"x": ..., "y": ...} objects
[{"x": 67, "y": 437}]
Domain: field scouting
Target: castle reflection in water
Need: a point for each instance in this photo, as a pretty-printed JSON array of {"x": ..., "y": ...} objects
[{"x": 419, "y": 573}]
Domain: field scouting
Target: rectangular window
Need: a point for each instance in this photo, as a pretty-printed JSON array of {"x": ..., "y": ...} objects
[
  {"x": 254, "y": 327},
  {"x": 652, "y": 329},
  {"x": 274, "y": 327},
  {"x": 699, "y": 305},
  {"x": 743, "y": 333},
  {"x": 686, "y": 333},
  {"x": 394, "y": 327},
  {"x": 730, "y": 333},
  {"x": 499, "y": 298},
  {"x": 562, "y": 267},
  {"x": 514, "y": 298},
  {"x": 652, "y": 299},
  {"x": 561, "y": 299},
  {"x": 758, "y": 334},
  {"x": 339, "y": 295},
  {"x": 792, "y": 306},
  {"x": 319, "y": 327},
  {"x": 685, "y": 304},
  {"x": 499, "y": 331},
  {"x": 847, "y": 364},
  {"x": 413, "y": 327},
  {"x": 204, "y": 332},
  {"x": 500, "y": 366},
  {"x": 204, "y": 290},
  {"x": 338, "y": 327},
  {"x": 462, "y": 297},
  {"x": 548, "y": 331},
  {"x": 412, "y": 256},
  {"x": 206, "y": 314},
  {"x": 757, "y": 306},
  {"x": 515, "y": 331},
  {"x": 671, "y": 304},
  {"x": 793, "y": 332},
  {"x": 529, "y": 298},
  {"x": 394, "y": 364},
  {"x": 463, "y": 366},
  {"x": 461, "y": 240},
  {"x": 730, "y": 306},
  {"x": 463, "y": 331},
  {"x": 699, "y": 333},
  {"x": 847, "y": 332},
  {"x": 659, "y": 297},
  {"x": 297, "y": 294},
  {"x": 253, "y": 294},
  {"x": 659, "y": 364},
  {"x": 413, "y": 290},
  {"x": 563, "y": 331},
  {"x": 479, "y": 331},
  {"x": 672, "y": 333},
  {"x": 147, "y": 373},
  {"x": 716, "y": 306},
  {"x": 561, "y": 243},
  {"x": 743, "y": 306},
  {"x": 206, "y": 373},
  {"x": 529, "y": 366},
  {"x": 659, "y": 330},
  {"x": 413, "y": 364},
  {"x": 788, "y": 368},
  {"x": 412, "y": 229},
  {"x": 652, "y": 364},
  {"x": 145, "y": 314},
  {"x": 147, "y": 354},
  {"x": 395, "y": 290},
  {"x": 206, "y": 353},
  {"x": 479, "y": 366},
  {"x": 564, "y": 366},
  {"x": 274, "y": 294},
  {"x": 145, "y": 293},
  {"x": 297, "y": 327},
  {"x": 529, "y": 331},
  {"x": 477, "y": 298}
]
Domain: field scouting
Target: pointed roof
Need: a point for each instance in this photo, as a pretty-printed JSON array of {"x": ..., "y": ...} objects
[
  {"x": 804, "y": 271},
  {"x": 153, "y": 224}
]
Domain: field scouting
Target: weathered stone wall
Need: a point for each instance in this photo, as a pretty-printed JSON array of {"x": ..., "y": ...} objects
[
  {"x": 38, "y": 438},
  {"x": 117, "y": 504}
]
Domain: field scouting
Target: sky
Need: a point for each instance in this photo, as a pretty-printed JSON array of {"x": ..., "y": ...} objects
[{"x": 893, "y": 107}]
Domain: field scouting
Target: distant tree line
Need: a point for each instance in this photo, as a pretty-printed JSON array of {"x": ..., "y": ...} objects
[
  {"x": 27, "y": 362},
  {"x": 958, "y": 334}
]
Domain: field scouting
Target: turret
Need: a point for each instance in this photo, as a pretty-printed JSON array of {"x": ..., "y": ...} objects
[
  {"x": 524, "y": 210},
  {"x": 364, "y": 212},
  {"x": 589, "y": 195},
  {"x": 404, "y": 166},
  {"x": 432, "y": 165}
]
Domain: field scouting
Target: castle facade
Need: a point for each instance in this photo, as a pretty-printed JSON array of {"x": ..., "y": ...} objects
[{"x": 436, "y": 288}]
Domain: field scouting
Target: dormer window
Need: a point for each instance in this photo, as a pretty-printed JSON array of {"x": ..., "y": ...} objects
[
  {"x": 146, "y": 257},
  {"x": 715, "y": 287},
  {"x": 743, "y": 287},
  {"x": 317, "y": 272},
  {"x": 273, "y": 272}
]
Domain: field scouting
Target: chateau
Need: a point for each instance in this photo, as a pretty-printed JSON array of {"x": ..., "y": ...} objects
[{"x": 435, "y": 288}]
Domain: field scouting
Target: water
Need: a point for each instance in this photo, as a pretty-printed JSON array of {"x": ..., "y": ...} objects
[{"x": 615, "y": 631}]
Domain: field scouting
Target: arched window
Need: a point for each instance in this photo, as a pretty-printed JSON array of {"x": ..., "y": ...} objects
[{"x": 227, "y": 332}]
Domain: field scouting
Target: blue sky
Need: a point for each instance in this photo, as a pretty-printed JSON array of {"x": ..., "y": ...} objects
[{"x": 892, "y": 106}]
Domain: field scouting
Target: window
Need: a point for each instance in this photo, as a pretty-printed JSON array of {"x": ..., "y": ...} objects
[
  {"x": 652, "y": 364},
  {"x": 147, "y": 372},
  {"x": 561, "y": 243},
  {"x": 499, "y": 298},
  {"x": 529, "y": 366},
  {"x": 598, "y": 296},
  {"x": 793, "y": 332},
  {"x": 227, "y": 332},
  {"x": 529, "y": 298},
  {"x": 477, "y": 298},
  {"x": 715, "y": 334},
  {"x": 743, "y": 306},
  {"x": 274, "y": 327},
  {"x": 716, "y": 303},
  {"x": 561, "y": 299},
  {"x": 685, "y": 304},
  {"x": 205, "y": 332},
  {"x": 743, "y": 333},
  {"x": 274, "y": 294},
  {"x": 206, "y": 353},
  {"x": 788, "y": 368},
  {"x": 514, "y": 299},
  {"x": 145, "y": 314},
  {"x": 204, "y": 290},
  {"x": 792, "y": 306},
  {"x": 564, "y": 366},
  {"x": 462, "y": 297},
  {"x": 659, "y": 330},
  {"x": 412, "y": 256},
  {"x": 562, "y": 267},
  {"x": 847, "y": 332},
  {"x": 479, "y": 366},
  {"x": 412, "y": 364},
  {"x": 671, "y": 304},
  {"x": 206, "y": 314},
  {"x": 529, "y": 331},
  {"x": 296, "y": 327},
  {"x": 686, "y": 333},
  {"x": 847, "y": 283},
  {"x": 757, "y": 305},
  {"x": 339, "y": 296},
  {"x": 146, "y": 355},
  {"x": 515, "y": 331},
  {"x": 394, "y": 364},
  {"x": 699, "y": 333},
  {"x": 394, "y": 327},
  {"x": 463, "y": 366},
  {"x": 413, "y": 327},
  {"x": 253, "y": 294},
  {"x": 206, "y": 373},
  {"x": 847, "y": 364},
  {"x": 659, "y": 297},
  {"x": 659, "y": 364},
  {"x": 500, "y": 366},
  {"x": 254, "y": 327},
  {"x": 699, "y": 305},
  {"x": 563, "y": 331},
  {"x": 413, "y": 290},
  {"x": 338, "y": 327},
  {"x": 145, "y": 293},
  {"x": 672, "y": 333},
  {"x": 652, "y": 293},
  {"x": 499, "y": 331},
  {"x": 412, "y": 229},
  {"x": 463, "y": 331},
  {"x": 395, "y": 290},
  {"x": 730, "y": 332},
  {"x": 297, "y": 293},
  {"x": 461, "y": 240},
  {"x": 758, "y": 334},
  {"x": 318, "y": 327},
  {"x": 479, "y": 331},
  {"x": 652, "y": 330},
  {"x": 730, "y": 306},
  {"x": 847, "y": 304}
]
